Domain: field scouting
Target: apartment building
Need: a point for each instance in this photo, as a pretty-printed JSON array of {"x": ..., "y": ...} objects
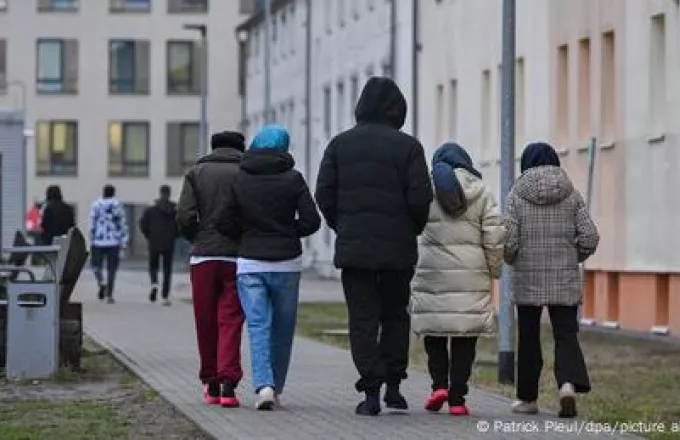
[
  {"x": 585, "y": 69},
  {"x": 112, "y": 92},
  {"x": 320, "y": 60}
]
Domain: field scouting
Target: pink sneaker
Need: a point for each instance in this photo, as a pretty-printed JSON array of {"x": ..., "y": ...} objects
[
  {"x": 459, "y": 410},
  {"x": 436, "y": 400},
  {"x": 211, "y": 394}
]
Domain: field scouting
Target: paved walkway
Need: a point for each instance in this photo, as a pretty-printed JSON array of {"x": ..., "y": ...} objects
[{"x": 159, "y": 345}]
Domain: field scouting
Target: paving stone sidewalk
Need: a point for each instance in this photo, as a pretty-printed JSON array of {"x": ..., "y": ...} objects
[{"x": 158, "y": 343}]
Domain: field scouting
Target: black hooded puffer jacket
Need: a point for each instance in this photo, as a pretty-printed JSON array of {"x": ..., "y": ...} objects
[{"x": 373, "y": 187}]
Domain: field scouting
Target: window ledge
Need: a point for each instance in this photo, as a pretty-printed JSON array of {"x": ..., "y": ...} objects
[
  {"x": 129, "y": 93},
  {"x": 64, "y": 10},
  {"x": 563, "y": 152},
  {"x": 608, "y": 145},
  {"x": 485, "y": 163},
  {"x": 657, "y": 139},
  {"x": 184, "y": 94},
  {"x": 130, "y": 11},
  {"x": 60, "y": 93}
]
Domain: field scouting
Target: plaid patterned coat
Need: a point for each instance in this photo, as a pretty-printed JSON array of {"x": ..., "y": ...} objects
[{"x": 549, "y": 232}]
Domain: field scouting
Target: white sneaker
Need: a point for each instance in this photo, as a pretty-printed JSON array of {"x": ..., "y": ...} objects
[
  {"x": 266, "y": 399},
  {"x": 521, "y": 407},
  {"x": 567, "y": 401}
]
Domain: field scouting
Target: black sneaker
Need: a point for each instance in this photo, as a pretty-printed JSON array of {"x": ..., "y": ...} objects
[
  {"x": 211, "y": 393},
  {"x": 228, "y": 397},
  {"x": 154, "y": 294},
  {"x": 370, "y": 406},
  {"x": 102, "y": 292},
  {"x": 394, "y": 399}
]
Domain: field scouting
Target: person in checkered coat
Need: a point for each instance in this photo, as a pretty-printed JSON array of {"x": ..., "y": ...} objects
[{"x": 549, "y": 233}]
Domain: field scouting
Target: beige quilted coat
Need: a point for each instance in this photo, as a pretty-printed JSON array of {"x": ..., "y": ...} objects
[{"x": 458, "y": 259}]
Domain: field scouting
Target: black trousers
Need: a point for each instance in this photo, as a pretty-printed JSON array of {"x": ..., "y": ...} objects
[
  {"x": 379, "y": 325},
  {"x": 570, "y": 366},
  {"x": 154, "y": 264},
  {"x": 112, "y": 257},
  {"x": 452, "y": 373}
]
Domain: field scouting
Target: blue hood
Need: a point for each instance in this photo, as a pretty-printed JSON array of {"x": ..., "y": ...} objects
[{"x": 273, "y": 136}]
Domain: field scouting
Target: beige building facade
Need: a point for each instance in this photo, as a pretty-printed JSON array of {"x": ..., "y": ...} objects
[{"x": 585, "y": 69}]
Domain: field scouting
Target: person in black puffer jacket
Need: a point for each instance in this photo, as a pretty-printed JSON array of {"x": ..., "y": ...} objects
[
  {"x": 270, "y": 208},
  {"x": 375, "y": 192},
  {"x": 159, "y": 227},
  {"x": 57, "y": 216}
]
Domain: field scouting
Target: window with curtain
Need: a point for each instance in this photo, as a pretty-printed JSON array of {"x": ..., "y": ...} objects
[
  {"x": 183, "y": 76},
  {"x": 182, "y": 147},
  {"x": 56, "y": 148},
  {"x": 57, "y": 66},
  {"x": 129, "y": 149},
  {"x": 129, "y": 66}
]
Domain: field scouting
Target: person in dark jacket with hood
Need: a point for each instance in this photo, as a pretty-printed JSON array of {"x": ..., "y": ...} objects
[
  {"x": 159, "y": 227},
  {"x": 549, "y": 232},
  {"x": 217, "y": 310},
  {"x": 374, "y": 191},
  {"x": 269, "y": 211},
  {"x": 57, "y": 216}
]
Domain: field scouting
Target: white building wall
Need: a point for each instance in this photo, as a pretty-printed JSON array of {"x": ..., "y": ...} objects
[{"x": 93, "y": 25}]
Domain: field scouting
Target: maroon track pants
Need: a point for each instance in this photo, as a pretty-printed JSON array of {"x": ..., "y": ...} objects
[{"x": 219, "y": 320}]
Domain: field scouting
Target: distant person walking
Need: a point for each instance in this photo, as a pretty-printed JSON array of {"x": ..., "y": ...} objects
[
  {"x": 269, "y": 211},
  {"x": 57, "y": 216},
  {"x": 374, "y": 191},
  {"x": 108, "y": 236},
  {"x": 460, "y": 253},
  {"x": 549, "y": 233},
  {"x": 217, "y": 310},
  {"x": 159, "y": 226}
]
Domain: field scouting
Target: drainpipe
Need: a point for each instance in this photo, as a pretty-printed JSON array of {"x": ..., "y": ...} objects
[
  {"x": 393, "y": 39},
  {"x": 417, "y": 47}
]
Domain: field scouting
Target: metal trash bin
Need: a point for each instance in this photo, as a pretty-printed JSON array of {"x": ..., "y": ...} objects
[{"x": 32, "y": 330}]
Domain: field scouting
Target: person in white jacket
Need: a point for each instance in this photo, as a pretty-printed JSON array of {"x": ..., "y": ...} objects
[{"x": 460, "y": 253}]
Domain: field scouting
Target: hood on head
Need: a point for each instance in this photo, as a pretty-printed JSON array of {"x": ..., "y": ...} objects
[
  {"x": 267, "y": 161},
  {"x": 451, "y": 187},
  {"x": 544, "y": 185},
  {"x": 273, "y": 137},
  {"x": 166, "y": 207},
  {"x": 539, "y": 154},
  {"x": 381, "y": 102},
  {"x": 455, "y": 156}
]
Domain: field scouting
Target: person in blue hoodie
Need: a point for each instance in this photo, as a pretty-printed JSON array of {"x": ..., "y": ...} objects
[
  {"x": 269, "y": 211},
  {"x": 108, "y": 235}
]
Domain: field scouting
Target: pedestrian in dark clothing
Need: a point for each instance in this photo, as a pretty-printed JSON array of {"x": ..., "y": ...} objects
[
  {"x": 57, "y": 217},
  {"x": 108, "y": 235},
  {"x": 374, "y": 191},
  {"x": 549, "y": 233},
  {"x": 269, "y": 211},
  {"x": 217, "y": 310},
  {"x": 159, "y": 226}
]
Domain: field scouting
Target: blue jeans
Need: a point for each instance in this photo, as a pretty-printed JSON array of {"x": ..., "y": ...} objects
[{"x": 270, "y": 300}]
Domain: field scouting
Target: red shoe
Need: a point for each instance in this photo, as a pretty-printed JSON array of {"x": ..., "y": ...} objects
[
  {"x": 211, "y": 394},
  {"x": 229, "y": 402},
  {"x": 459, "y": 410},
  {"x": 436, "y": 400},
  {"x": 228, "y": 397}
]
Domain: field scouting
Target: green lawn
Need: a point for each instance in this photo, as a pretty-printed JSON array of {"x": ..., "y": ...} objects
[{"x": 634, "y": 379}]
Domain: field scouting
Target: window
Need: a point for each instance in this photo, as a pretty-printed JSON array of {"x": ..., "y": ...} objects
[
  {"x": 341, "y": 12},
  {"x": 292, "y": 27},
  {"x": 387, "y": 69},
  {"x": 354, "y": 95},
  {"x": 486, "y": 121},
  {"x": 183, "y": 67},
  {"x": 453, "y": 109},
  {"x": 340, "y": 99},
  {"x": 182, "y": 142},
  {"x": 179, "y": 6},
  {"x": 355, "y": 9},
  {"x": 370, "y": 71},
  {"x": 657, "y": 75},
  {"x": 3, "y": 5},
  {"x": 129, "y": 149},
  {"x": 439, "y": 114},
  {"x": 58, "y": 5},
  {"x": 327, "y": 112},
  {"x": 128, "y": 67},
  {"x": 584, "y": 86},
  {"x": 562, "y": 96},
  {"x": 608, "y": 88},
  {"x": 291, "y": 121},
  {"x": 520, "y": 104},
  {"x": 57, "y": 66},
  {"x": 371, "y": 4},
  {"x": 3, "y": 65},
  {"x": 56, "y": 146},
  {"x": 130, "y": 5},
  {"x": 328, "y": 15}
]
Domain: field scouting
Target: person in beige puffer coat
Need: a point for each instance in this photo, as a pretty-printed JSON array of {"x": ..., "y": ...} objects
[{"x": 460, "y": 253}]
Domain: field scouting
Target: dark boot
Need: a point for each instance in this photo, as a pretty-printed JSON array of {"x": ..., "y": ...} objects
[
  {"x": 102, "y": 292},
  {"x": 394, "y": 399},
  {"x": 370, "y": 406},
  {"x": 154, "y": 293}
]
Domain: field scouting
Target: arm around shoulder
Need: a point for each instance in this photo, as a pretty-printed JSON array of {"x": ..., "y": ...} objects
[{"x": 419, "y": 187}]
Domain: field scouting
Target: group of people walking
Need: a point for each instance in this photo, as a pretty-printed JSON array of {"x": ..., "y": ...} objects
[{"x": 418, "y": 251}]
